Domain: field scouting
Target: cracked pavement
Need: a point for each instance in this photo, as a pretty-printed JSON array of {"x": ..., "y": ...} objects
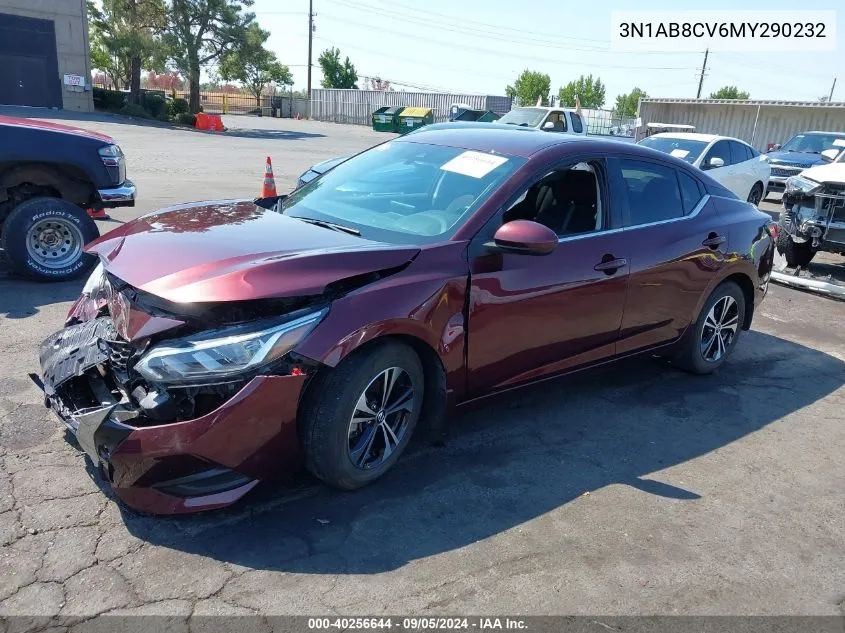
[{"x": 635, "y": 489}]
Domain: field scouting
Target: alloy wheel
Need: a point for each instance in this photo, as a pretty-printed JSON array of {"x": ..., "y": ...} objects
[
  {"x": 755, "y": 196},
  {"x": 54, "y": 243},
  {"x": 380, "y": 420},
  {"x": 720, "y": 327}
]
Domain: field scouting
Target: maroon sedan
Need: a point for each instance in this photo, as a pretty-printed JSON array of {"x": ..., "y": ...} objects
[{"x": 221, "y": 342}]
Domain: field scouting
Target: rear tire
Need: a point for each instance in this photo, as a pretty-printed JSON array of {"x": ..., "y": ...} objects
[
  {"x": 334, "y": 428},
  {"x": 721, "y": 316},
  {"x": 43, "y": 239}
]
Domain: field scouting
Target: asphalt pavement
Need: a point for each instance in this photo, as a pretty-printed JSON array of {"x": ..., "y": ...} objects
[{"x": 636, "y": 489}]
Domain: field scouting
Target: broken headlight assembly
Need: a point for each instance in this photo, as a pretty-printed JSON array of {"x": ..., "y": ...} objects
[
  {"x": 96, "y": 281},
  {"x": 225, "y": 354},
  {"x": 801, "y": 186}
]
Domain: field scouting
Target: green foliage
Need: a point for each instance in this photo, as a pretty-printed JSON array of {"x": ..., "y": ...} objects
[
  {"x": 253, "y": 65},
  {"x": 124, "y": 38},
  {"x": 335, "y": 73},
  {"x": 528, "y": 87},
  {"x": 134, "y": 110},
  {"x": 627, "y": 104},
  {"x": 204, "y": 31},
  {"x": 588, "y": 90},
  {"x": 177, "y": 107},
  {"x": 729, "y": 92},
  {"x": 155, "y": 105},
  {"x": 112, "y": 100},
  {"x": 187, "y": 119}
]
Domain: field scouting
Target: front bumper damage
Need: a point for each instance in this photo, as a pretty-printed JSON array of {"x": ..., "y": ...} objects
[
  {"x": 819, "y": 219},
  {"x": 171, "y": 466}
]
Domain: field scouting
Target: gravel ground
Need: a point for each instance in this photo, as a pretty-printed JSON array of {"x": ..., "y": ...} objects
[{"x": 636, "y": 489}]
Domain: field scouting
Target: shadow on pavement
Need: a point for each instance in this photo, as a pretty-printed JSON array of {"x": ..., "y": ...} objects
[
  {"x": 277, "y": 135},
  {"x": 511, "y": 460},
  {"x": 20, "y": 297}
]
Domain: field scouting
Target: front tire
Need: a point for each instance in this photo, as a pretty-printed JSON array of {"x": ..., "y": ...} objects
[
  {"x": 43, "y": 239},
  {"x": 358, "y": 419},
  {"x": 715, "y": 332}
]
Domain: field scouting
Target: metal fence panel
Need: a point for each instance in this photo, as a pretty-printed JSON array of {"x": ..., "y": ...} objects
[
  {"x": 357, "y": 106},
  {"x": 755, "y": 122}
]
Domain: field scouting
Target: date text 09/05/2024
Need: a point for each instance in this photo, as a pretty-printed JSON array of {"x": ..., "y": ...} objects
[{"x": 417, "y": 623}]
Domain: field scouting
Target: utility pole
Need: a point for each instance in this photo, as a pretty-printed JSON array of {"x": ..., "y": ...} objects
[
  {"x": 703, "y": 69},
  {"x": 830, "y": 96},
  {"x": 310, "y": 40}
]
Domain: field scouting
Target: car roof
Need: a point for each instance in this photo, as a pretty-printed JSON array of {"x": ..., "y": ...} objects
[
  {"x": 820, "y": 132},
  {"x": 546, "y": 108},
  {"x": 511, "y": 139},
  {"x": 691, "y": 136}
]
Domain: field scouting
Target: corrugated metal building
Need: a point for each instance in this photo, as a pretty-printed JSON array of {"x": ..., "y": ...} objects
[
  {"x": 357, "y": 106},
  {"x": 755, "y": 122}
]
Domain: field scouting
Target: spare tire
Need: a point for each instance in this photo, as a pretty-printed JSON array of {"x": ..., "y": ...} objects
[{"x": 43, "y": 239}]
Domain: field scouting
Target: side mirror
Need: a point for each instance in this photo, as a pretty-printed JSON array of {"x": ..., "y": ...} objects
[
  {"x": 548, "y": 125},
  {"x": 524, "y": 237},
  {"x": 715, "y": 162},
  {"x": 829, "y": 155}
]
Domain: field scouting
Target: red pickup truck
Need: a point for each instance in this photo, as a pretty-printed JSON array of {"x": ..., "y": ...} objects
[{"x": 50, "y": 175}]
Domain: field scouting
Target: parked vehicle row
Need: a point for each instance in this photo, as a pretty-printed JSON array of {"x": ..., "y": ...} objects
[
  {"x": 50, "y": 175},
  {"x": 325, "y": 326}
]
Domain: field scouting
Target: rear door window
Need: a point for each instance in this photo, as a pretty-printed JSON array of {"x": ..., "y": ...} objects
[
  {"x": 577, "y": 126},
  {"x": 691, "y": 191},
  {"x": 653, "y": 192},
  {"x": 738, "y": 153}
]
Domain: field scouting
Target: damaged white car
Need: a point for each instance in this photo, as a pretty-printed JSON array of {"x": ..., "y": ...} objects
[{"x": 812, "y": 218}]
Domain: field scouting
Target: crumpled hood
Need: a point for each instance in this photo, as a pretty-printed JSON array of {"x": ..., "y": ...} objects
[
  {"x": 799, "y": 159},
  {"x": 234, "y": 250},
  {"x": 833, "y": 173}
]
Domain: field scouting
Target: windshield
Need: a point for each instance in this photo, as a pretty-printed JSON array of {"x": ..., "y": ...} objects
[
  {"x": 682, "y": 148},
  {"x": 403, "y": 192},
  {"x": 814, "y": 143},
  {"x": 529, "y": 117}
]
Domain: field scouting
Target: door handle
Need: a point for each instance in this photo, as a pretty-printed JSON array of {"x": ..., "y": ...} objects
[
  {"x": 713, "y": 240},
  {"x": 610, "y": 266}
]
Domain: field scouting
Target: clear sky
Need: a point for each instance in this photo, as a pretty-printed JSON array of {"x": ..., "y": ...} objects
[{"x": 480, "y": 46}]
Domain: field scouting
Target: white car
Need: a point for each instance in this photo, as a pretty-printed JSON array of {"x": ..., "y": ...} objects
[
  {"x": 732, "y": 163},
  {"x": 548, "y": 119}
]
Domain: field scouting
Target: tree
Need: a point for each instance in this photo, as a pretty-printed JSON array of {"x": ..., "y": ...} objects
[
  {"x": 170, "y": 80},
  {"x": 124, "y": 40},
  {"x": 335, "y": 74},
  {"x": 589, "y": 91},
  {"x": 530, "y": 86},
  {"x": 627, "y": 103},
  {"x": 253, "y": 65},
  {"x": 201, "y": 32},
  {"x": 729, "y": 92}
]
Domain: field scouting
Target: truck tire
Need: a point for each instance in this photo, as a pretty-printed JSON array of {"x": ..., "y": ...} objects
[
  {"x": 43, "y": 239},
  {"x": 796, "y": 253}
]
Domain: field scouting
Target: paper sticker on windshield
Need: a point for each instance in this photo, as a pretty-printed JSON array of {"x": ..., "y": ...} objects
[
  {"x": 474, "y": 164},
  {"x": 680, "y": 153},
  {"x": 839, "y": 142}
]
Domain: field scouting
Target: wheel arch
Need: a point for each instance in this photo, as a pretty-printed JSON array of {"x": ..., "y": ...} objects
[
  {"x": 745, "y": 284},
  {"x": 66, "y": 181}
]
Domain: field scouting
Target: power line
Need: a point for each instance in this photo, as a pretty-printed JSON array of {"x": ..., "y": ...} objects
[
  {"x": 488, "y": 51},
  {"x": 463, "y": 28}
]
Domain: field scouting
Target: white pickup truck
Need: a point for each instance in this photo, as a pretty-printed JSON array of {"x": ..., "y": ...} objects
[{"x": 558, "y": 120}]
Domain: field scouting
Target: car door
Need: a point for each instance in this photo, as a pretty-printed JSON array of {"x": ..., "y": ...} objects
[
  {"x": 534, "y": 316},
  {"x": 743, "y": 173},
  {"x": 674, "y": 250},
  {"x": 723, "y": 175}
]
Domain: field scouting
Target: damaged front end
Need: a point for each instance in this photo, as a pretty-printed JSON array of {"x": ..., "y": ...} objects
[
  {"x": 181, "y": 408},
  {"x": 814, "y": 213}
]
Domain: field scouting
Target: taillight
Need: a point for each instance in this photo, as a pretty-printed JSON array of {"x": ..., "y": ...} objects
[{"x": 773, "y": 230}]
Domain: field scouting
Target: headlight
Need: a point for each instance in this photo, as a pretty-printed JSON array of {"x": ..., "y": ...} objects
[
  {"x": 95, "y": 282},
  {"x": 219, "y": 355},
  {"x": 801, "y": 185}
]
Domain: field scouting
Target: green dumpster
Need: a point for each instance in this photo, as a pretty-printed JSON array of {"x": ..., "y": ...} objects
[
  {"x": 413, "y": 118},
  {"x": 385, "y": 119}
]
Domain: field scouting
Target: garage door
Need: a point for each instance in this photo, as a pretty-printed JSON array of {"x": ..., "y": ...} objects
[{"x": 29, "y": 69}]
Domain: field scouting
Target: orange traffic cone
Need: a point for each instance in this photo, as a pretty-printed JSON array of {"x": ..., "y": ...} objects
[
  {"x": 98, "y": 214},
  {"x": 268, "y": 189}
]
